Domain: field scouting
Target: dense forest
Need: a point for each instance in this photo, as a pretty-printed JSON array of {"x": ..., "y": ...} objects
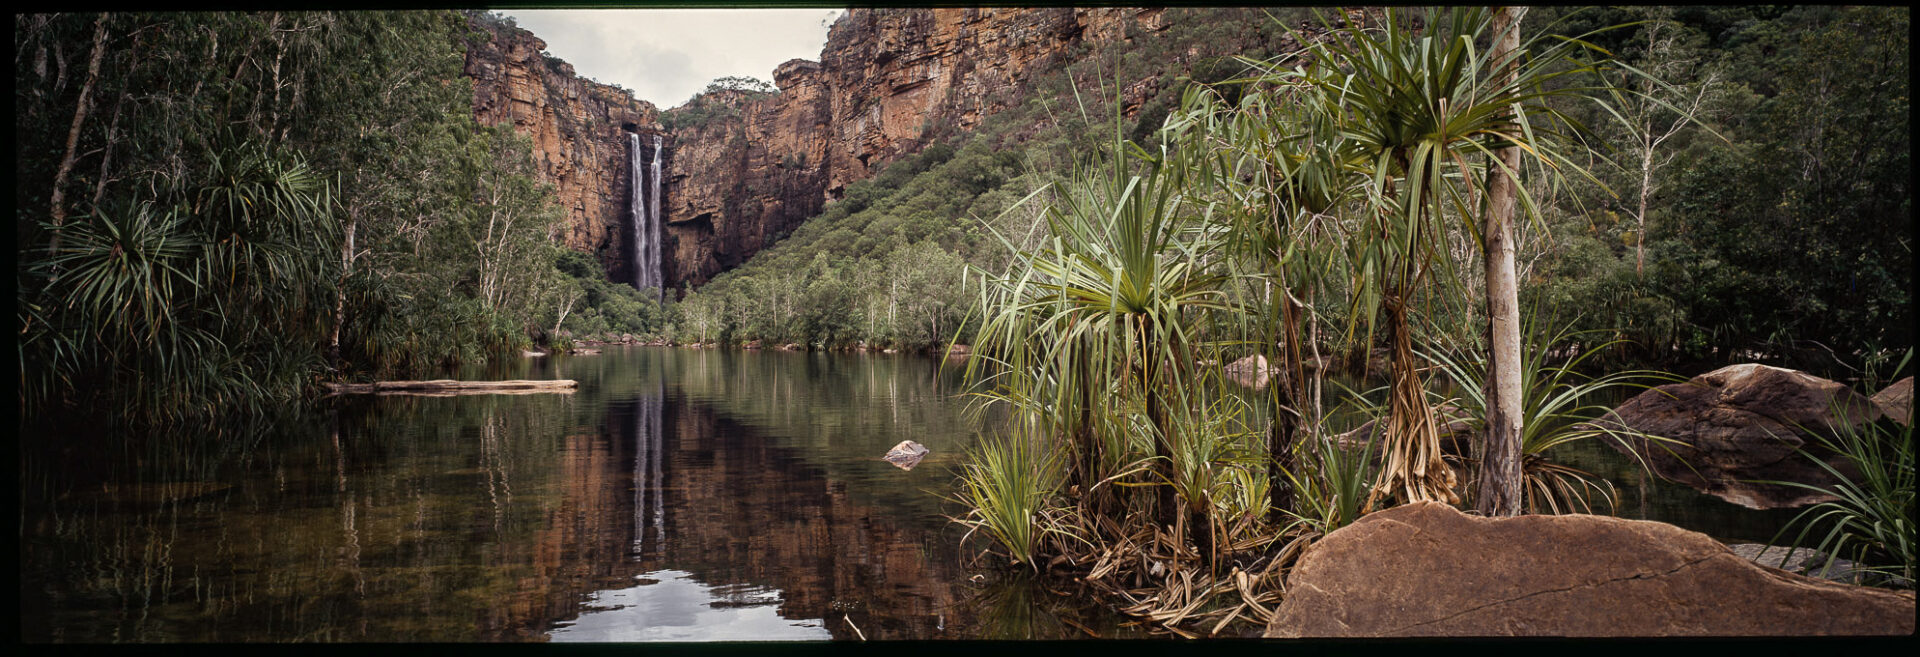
[
  {"x": 227, "y": 207},
  {"x": 217, "y": 210},
  {"x": 1774, "y": 223}
]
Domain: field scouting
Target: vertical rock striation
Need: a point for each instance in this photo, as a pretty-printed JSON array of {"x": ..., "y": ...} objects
[
  {"x": 889, "y": 82},
  {"x": 744, "y": 169},
  {"x": 579, "y": 129}
]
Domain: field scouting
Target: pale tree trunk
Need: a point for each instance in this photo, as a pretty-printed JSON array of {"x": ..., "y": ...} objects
[
  {"x": 57, "y": 204},
  {"x": 1500, "y": 474},
  {"x": 340, "y": 290}
]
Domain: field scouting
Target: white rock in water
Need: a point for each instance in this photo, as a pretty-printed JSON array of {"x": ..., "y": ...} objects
[
  {"x": 908, "y": 447},
  {"x": 906, "y": 454}
]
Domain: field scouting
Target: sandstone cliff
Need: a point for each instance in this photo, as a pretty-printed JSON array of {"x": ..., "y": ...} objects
[
  {"x": 578, "y": 128},
  {"x": 888, "y": 82},
  {"x": 744, "y": 169}
]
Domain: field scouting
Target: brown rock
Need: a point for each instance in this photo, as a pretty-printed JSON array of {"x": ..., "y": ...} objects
[
  {"x": 889, "y": 82},
  {"x": 1428, "y": 570},
  {"x": 578, "y": 128},
  {"x": 1896, "y": 401},
  {"x": 1743, "y": 423}
]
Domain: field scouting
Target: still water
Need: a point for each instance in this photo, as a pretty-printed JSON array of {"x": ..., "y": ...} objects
[{"x": 678, "y": 495}]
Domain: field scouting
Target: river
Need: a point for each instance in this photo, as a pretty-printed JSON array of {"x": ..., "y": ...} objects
[{"x": 677, "y": 495}]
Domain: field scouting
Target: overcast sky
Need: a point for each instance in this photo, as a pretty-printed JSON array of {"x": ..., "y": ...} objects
[{"x": 665, "y": 56}]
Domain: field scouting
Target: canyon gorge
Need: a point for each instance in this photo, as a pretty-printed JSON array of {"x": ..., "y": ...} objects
[{"x": 742, "y": 169}]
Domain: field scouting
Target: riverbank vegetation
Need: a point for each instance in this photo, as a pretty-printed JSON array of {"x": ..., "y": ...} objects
[
  {"x": 1657, "y": 247},
  {"x": 1335, "y": 204},
  {"x": 217, "y": 210}
]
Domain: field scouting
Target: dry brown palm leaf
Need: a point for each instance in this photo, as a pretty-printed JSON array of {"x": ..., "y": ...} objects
[{"x": 1231, "y": 617}]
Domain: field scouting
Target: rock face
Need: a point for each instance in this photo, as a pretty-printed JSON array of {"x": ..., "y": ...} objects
[
  {"x": 1896, "y": 401},
  {"x": 1428, "y": 570},
  {"x": 1742, "y": 423},
  {"x": 888, "y": 82},
  {"x": 579, "y": 130}
]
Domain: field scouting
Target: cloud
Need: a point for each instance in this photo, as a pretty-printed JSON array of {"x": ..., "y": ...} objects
[{"x": 667, "y": 55}]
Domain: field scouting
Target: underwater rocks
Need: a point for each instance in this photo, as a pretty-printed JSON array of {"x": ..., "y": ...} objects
[
  {"x": 1429, "y": 570},
  {"x": 1741, "y": 424}
]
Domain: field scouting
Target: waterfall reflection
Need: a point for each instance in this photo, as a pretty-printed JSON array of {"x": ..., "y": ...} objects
[{"x": 647, "y": 457}]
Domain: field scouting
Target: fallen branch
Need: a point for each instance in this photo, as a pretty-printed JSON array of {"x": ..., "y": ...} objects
[{"x": 442, "y": 387}]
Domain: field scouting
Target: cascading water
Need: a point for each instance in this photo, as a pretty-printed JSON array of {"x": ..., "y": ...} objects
[
  {"x": 653, "y": 211},
  {"x": 644, "y": 205}
]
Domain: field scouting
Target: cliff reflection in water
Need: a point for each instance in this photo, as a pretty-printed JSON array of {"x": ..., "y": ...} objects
[{"x": 679, "y": 495}]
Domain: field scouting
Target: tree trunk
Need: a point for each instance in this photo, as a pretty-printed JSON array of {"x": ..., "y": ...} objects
[
  {"x": 340, "y": 289},
  {"x": 1166, "y": 509},
  {"x": 57, "y": 204},
  {"x": 1500, "y": 473},
  {"x": 1286, "y": 395},
  {"x": 1413, "y": 470}
]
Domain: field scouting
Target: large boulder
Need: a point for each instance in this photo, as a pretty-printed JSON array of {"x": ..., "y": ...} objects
[
  {"x": 1896, "y": 401},
  {"x": 1428, "y": 570},
  {"x": 1741, "y": 424}
]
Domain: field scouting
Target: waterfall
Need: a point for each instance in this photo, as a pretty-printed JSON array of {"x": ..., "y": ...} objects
[
  {"x": 653, "y": 210},
  {"x": 644, "y": 205}
]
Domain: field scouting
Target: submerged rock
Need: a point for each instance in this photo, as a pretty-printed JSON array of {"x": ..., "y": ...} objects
[
  {"x": 906, "y": 454},
  {"x": 1427, "y": 569},
  {"x": 1896, "y": 401},
  {"x": 1741, "y": 424},
  {"x": 1814, "y": 563}
]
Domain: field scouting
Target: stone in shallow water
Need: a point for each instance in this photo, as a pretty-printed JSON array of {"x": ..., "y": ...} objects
[
  {"x": 1429, "y": 570},
  {"x": 1896, "y": 401},
  {"x": 1744, "y": 424},
  {"x": 1814, "y": 563},
  {"x": 906, "y": 454}
]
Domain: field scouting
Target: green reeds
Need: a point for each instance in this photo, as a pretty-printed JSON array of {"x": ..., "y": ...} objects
[
  {"x": 1008, "y": 484},
  {"x": 1332, "y": 480},
  {"x": 1871, "y": 519}
]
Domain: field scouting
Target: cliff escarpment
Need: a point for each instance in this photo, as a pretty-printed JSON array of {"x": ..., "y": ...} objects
[
  {"x": 579, "y": 130},
  {"x": 751, "y": 167},
  {"x": 744, "y": 168}
]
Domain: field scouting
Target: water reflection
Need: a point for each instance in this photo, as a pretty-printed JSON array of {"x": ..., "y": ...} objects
[
  {"x": 670, "y": 605},
  {"x": 746, "y": 488}
]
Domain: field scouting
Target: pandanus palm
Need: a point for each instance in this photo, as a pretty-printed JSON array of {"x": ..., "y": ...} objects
[
  {"x": 1425, "y": 114},
  {"x": 1111, "y": 294},
  {"x": 1275, "y": 176}
]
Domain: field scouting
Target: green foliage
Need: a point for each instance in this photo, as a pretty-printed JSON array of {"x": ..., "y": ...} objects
[
  {"x": 740, "y": 83},
  {"x": 245, "y": 189},
  {"x": 1558, "y": 402},
  {"x": 1007, "y": 485},
  {"x": 1333, "y": 481},
  {"x": 1784, "y": 240},
  {"x": 1871, "y": 521}
]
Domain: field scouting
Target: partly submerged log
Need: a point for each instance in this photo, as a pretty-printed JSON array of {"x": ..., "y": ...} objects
[{"x": 443, "y": 387}]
